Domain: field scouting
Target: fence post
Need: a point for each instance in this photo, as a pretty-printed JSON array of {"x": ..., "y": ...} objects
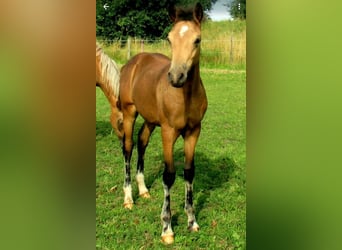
[
  {"x": 142, "y": 45},
  {"x": 128, "y": 48},
  {"x": 231, "y": 50}
]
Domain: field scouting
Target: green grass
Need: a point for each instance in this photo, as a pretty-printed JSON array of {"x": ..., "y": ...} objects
[{"x": 220, "y": 180}]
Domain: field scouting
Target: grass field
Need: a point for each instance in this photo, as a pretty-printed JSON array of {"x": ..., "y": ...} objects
[{"x": 220, "y": 180}]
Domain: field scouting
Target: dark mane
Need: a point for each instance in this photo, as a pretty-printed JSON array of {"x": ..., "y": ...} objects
[{"x": 185, "y": 14}]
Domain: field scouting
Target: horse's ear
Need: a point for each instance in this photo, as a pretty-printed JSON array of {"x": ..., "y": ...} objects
[
  {"x": 172, "y": 12},
  {"x": 198, "y": 12}
]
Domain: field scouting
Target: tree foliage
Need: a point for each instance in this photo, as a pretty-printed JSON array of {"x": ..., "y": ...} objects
[
  {"x": 237, "y": 8},
  {"x": 139, "y": 18}
]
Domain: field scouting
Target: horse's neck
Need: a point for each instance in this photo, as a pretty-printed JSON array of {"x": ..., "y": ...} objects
[
  {"x": 195, "y": 83},
  {"x": 107, "y": 90},
  {"x": 103, "y": 82},
  {"x": 108, "y": 93}
]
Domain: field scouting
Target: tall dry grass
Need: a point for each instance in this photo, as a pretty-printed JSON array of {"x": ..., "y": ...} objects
[{"x": 223, "y": 44}]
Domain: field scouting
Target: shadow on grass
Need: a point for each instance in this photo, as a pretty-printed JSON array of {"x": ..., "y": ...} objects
[{"x": 210, "y": 173}]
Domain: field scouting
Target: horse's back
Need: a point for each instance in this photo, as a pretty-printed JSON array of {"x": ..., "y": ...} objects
[
  {"x": 145, "y": 61},
  {"x": 143, "y": 68}
]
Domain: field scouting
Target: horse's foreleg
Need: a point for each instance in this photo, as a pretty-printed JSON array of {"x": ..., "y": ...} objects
[
  {"x": 144, "y": 136},
  {"x": 169, "y": 137},
  {"x": 190, "y": 140},
  {"x": 127, "y": 148}
]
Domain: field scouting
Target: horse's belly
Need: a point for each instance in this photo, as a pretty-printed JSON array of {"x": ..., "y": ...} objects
[
  {"x": 146, "y": 106},
  {"x": 149, "y": 115}
]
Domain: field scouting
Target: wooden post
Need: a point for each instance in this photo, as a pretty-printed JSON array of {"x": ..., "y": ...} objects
[
  {"x": 128, "y": 48},
  {"x": 231, "y": 50}
]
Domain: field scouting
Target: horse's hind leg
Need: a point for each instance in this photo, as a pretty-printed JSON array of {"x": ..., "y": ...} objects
[
  {"x": 144, "y": 136},
  {"x": 127, "y": 148},
  {"x": 190, "y": 140}
]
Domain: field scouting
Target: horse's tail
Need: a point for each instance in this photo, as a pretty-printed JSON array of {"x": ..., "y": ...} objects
[{"x": 109, "y": 82}]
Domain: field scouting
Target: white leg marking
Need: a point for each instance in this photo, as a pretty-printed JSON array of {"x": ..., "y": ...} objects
[
  {"x": 192, "y": 224},
  {"x": 128, "y": 200},
  {"x": 167, "y": 233},
  {"x": 141, "y": 185}
]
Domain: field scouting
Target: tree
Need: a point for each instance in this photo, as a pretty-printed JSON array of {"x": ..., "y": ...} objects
[
  {"x": 237, "y": 8},
  {"x": 118, "y": 19}
]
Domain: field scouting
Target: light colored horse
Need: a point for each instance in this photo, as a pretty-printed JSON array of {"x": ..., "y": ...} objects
[{"x": 108, "y": 79}]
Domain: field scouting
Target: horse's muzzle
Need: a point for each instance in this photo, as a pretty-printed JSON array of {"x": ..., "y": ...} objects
[{"x": 177, "y": 78}]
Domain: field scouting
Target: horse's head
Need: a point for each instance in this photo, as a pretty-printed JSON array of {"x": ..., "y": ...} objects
[{"x": 185, "y": 40}]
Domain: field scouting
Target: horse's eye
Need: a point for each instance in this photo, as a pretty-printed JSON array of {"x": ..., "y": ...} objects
[{"x": 197, "y": 41}]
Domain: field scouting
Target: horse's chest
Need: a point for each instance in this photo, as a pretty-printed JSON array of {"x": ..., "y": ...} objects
[{"x": 186, "y": 113}]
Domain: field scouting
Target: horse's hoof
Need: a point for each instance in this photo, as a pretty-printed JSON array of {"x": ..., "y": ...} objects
[
  {"x": 194, "y": 228},
  {"x": 168, "y": 239},
  {"x": 128, "y": 206},
  {"x": 145, "y": 195}
]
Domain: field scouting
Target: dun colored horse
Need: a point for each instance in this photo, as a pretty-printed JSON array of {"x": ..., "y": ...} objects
[
  {"x": 108, "y": 79},
  {"x": 170, "y": 94}
]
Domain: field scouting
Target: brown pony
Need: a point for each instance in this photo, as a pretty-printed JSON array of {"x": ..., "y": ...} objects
[
  {"x": 170, "y": 94},
  {"x": 108, "y": 79}
]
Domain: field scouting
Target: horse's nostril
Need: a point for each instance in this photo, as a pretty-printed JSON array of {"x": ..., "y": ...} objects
[
  {"x": 169, "y": 76},
  {"x": 177, "y": 78}
]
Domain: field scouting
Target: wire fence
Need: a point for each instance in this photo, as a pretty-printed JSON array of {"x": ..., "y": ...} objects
[{"x": 214, "y": 53}]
